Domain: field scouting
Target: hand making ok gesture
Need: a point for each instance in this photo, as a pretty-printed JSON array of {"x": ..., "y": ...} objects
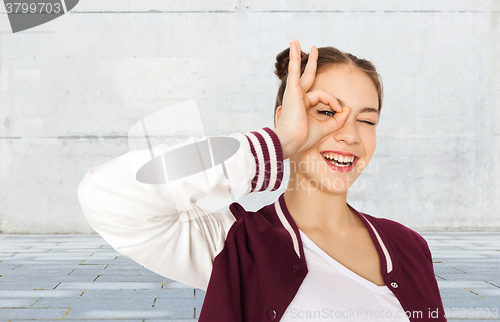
[{"x": 296, "y": 129}]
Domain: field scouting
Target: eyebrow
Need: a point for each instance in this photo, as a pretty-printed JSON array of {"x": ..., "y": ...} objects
[{"x": 364, "y": 110}]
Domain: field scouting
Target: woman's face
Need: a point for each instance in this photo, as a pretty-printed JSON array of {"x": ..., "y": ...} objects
[{"x": 356, "y": 139}]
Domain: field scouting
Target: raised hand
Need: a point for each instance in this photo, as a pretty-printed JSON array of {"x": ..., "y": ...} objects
[{"x": 296, "y": 129}]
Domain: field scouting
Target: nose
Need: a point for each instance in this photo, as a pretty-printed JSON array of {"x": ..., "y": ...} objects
[{"x": 348, "y": 133}]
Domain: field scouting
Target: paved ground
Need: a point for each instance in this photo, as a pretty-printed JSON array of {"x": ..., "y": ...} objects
[{"x": 81, "y": 278}]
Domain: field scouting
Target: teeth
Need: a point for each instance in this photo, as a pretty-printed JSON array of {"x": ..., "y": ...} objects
[{"x": 340, "y": 160}]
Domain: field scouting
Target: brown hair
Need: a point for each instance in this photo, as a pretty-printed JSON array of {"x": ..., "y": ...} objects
[{"x": 328, "y": 57}]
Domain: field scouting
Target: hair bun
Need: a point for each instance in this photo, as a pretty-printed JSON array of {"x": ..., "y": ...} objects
[{"x": 282, "y": 61}]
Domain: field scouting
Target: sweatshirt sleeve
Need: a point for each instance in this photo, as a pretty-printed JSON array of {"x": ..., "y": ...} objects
[{"x": 161, "y": 226}]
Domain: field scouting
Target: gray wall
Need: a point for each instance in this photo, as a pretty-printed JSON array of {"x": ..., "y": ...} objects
[{"x": 71, "y": 89}]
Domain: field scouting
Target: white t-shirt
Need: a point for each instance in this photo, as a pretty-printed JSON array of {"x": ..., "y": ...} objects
[{"x": 332, "y": 292}]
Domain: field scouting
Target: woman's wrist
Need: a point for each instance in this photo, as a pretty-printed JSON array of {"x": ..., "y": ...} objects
[{"x": 286, "y": 143}]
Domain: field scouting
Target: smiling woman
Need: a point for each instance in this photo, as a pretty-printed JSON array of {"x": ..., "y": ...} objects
[
  {"x": 326, "y": 123},
  {"x": 309, "y": 255},
  {"x": 326, "y": 117}
]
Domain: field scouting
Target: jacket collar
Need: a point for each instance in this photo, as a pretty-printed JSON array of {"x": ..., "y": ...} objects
[{"x": 379, "y": 237}]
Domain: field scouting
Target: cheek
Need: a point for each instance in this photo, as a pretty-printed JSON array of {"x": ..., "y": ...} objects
[
  {"x": 369, "y": 142},
  {"x": 306, "y": 161},
  {"x": 308, "y": 156}
]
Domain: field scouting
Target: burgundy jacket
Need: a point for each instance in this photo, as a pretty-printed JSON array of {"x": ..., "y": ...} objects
[
  {"x": 251, "y": 264},
  {"x": 258, "y": 272}
]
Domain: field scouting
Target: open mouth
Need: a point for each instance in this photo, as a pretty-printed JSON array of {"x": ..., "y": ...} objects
[{"x": 344, "y": 162}]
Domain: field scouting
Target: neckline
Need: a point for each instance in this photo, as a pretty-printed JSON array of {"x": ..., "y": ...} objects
[
  {"x": 385, "y": 255},
  {"x": 369, "y": 284}
]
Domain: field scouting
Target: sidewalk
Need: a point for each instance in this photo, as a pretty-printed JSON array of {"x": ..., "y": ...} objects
[{"x": 81, "y": 278}]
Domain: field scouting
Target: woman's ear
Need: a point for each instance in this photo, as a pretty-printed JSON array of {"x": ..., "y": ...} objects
[{"x": 277, "y": 116}]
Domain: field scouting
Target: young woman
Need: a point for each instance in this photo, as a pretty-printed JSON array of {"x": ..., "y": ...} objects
[{"x": 309, "y": 256}]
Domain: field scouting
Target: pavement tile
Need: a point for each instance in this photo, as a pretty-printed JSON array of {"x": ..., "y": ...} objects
[
  {"x": 60, "y": 257},
  {"x": 466, "y": 268},
  {"x": 17, "y": 302},
  {"x": 186, "y": 306},
  {"x": 5, "y": 256},
  {"x": 177, "y": 312},
  {"x": 6, "y": 245},
  {"x": 460, "y": 284},
  {"x": 458, "y": 277},
  {"x": 488, "y": 293},
  {"x": 30, "y": 285},
  {"x": 47, "y": 278},
  {"x": 43, "y": 313},
  {"x": 200, "y": 293},
  {"x": 86, "y": 270},
  {"x": 36, "y": 270},
  {"x": 95, "y": 304},
  {"x": 458, "y": 257},
  {"x": 13, "y": 294},
  {"x": 137, "y": 293},
  {"x": 91, "y": 261},
  {"x": 132, "y": 267},
  {"x": 98, "y": 283},
  {"x": 46, "y": 263},
  {"x": 493, "y": 281},
  {"x": 163, "y": 302},
  {"x": 116, "y": 269},
  {"x": 35, "y": 245},
  {"x": 22, "y": 255},
  {"x": 83, "y": 245},
  {"x": 4, "y": 252},
  {"x": 446, "y": 269},
  {"x": 91, "y": 320},
  {"x": 130, "y": 278},
  {"x": 109, "y": 286}
]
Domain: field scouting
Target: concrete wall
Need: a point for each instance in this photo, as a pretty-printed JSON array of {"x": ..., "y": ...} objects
[{"x": 71, "y": 89}]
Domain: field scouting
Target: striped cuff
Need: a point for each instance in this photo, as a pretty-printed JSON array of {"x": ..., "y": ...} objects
[{"x": 266, "y": 149}]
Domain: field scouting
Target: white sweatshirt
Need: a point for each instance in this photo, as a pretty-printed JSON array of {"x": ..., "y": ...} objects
[{"x": 160, "y": 226}]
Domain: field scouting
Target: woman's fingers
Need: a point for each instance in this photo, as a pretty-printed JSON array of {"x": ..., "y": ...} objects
[
  {"x": 307, "y": 79},
  {"x": 319, "y": 95},
  {"x": 293, "y": 78},
  {"x": 336, "y": 122}
]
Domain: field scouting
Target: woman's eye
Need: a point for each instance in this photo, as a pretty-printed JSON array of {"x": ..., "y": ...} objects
[
  {"x": 326, "y": 112},
  {"x": 368, "y": 122},
  {"x": 332, "y": 113}
]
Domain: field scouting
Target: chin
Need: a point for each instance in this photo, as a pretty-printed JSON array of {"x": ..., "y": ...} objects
[{"x": 338, "y": 183}]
